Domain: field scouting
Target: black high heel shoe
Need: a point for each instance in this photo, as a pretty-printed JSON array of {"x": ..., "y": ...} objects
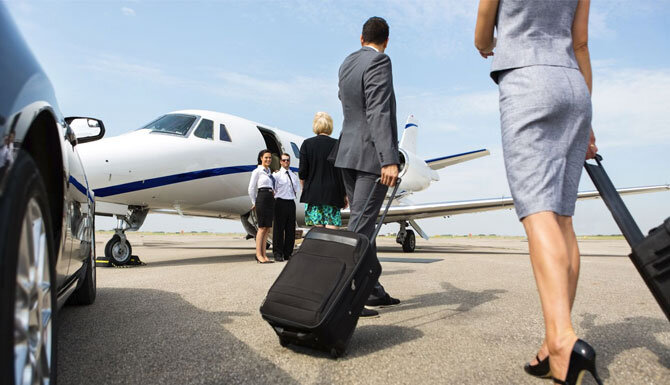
[
  {"x": 268, "y": 261},
  {"x": 582, "y": 359},
  {"x": 541, "y": 369}
]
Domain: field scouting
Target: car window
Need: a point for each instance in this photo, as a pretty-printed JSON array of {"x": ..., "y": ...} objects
[
  {"x": 223, "y": 133},
  {"x": 205, "y": 129},
  {"x": 296, "y": 150}
]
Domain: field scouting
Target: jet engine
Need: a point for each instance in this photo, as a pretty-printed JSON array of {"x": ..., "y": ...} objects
[{"x": 415, "y": 173}]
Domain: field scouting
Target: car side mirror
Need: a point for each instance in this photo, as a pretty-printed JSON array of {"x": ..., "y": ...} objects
[{"x": 86, "y": 129}]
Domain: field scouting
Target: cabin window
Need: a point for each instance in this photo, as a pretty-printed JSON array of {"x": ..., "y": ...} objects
[
  {"x": 296, "y": 150},
  {"x": 205, "y": 129},
  {"x": 223, "y": 133}
]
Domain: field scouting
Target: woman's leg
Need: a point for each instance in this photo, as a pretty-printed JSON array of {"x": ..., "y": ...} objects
[
  {"x": 565, "y": 223},
  {"x": 265, "y": 243},
  {"x": 551, "y": 260},
  {"x": 261, "y": 237}
]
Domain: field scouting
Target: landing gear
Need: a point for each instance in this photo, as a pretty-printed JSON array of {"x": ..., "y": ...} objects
[
  {"x": 406, "y": 238},
  {"x": 409, "y": 244},
  {"x": 118, "y": 249}
]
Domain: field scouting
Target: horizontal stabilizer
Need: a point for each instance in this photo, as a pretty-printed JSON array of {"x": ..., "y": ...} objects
[{"x": 450, "y": 160}]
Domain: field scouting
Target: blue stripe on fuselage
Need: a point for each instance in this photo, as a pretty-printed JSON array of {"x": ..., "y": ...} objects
[
  {"x": 453, "y": 156},
  {"x": 82, "y": 189},
  {"x": 170, "y": 179}
]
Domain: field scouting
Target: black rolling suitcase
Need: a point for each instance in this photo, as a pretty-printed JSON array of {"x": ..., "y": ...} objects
[
  {"x": 318, "y": 297},
  {"x": 650, "y": 254}
]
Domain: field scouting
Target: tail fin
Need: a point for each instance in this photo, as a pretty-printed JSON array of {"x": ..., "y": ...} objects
[{"x": 408, "y": 141}]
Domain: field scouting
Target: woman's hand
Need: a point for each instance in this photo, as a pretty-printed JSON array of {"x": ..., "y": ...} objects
[
  {"x": 592, "y": 150},
  {"x": 253, "y": 207},
  {"x": 488, "y": 51}
]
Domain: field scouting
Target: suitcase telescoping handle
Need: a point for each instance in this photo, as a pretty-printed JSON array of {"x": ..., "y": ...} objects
[
  {"x": 386, "y": 210},
  {"x": 612, "y": 199}
]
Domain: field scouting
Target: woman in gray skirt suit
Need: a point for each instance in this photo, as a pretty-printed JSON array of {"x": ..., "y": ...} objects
[{"x": 542, "y": 67}]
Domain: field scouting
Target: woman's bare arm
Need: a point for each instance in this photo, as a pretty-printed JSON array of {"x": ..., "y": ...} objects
[
  {"x": 580, "y": 39},
  {"x": 486, "y": 21}
]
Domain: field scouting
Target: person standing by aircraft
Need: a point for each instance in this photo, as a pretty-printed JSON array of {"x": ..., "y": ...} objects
[
  {"x": 261, "y": 191},
  {"x": 368, "y": 144},
  {"x": 323, "y": 190},
  {"x": 543, "y": 71},
  {"x": 286, "y": 190}
]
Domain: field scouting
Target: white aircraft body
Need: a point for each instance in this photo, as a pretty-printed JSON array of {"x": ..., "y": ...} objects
[{"x": 198, "y": 163}]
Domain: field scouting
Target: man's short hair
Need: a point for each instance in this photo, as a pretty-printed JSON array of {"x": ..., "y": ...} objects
[
  {"x": 322, "y": 124},
  {"x": 375, "y": 30},
  {"x": 285, "y": 154}
]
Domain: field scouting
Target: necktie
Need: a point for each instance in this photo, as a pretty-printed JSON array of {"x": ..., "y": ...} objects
[
  {"x": 290, "y": 180},
  {"x": 274, "y": 182}
]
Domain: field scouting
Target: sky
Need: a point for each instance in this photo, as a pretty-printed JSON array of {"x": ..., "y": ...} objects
[{"x": 276, "y": 62}]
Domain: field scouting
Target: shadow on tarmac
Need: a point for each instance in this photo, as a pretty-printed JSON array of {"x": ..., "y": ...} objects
[
  {"x": 465, "y": 299},
  {"x": 143, "y": 336},
  {"x": 631, "y": 333},
  {"x": 235, "y": 258}
]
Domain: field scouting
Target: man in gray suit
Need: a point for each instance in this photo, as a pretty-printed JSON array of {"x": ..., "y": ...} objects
[{"x": 368, "y": 145}]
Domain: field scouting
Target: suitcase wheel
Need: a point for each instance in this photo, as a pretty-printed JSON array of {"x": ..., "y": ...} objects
[
  {"x": 283, "y": 342},
  {"x": 335, "y": 353}
]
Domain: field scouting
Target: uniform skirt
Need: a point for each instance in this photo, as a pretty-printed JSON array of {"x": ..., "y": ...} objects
[
  {"x": 545, "y": 115},
  {"x": 265, "y": 208}
]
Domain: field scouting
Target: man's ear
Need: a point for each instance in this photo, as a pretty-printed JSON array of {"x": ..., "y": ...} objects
[
  {"x": 386, "y": 43},
  {"x": 362, "y": 41}
]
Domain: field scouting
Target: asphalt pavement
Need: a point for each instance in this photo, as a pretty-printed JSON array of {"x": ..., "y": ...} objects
[{"x": 470, "y": 314}]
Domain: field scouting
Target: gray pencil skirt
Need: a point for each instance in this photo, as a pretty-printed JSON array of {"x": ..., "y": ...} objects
[{"x": 545, "y": 115}]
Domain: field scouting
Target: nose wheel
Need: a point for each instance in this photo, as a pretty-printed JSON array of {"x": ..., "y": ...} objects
[{"x": 118, "y": 250}]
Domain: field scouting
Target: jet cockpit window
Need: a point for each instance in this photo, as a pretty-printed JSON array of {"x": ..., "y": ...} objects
[
  {"x": 205, "y": 130},
  {"x": 223, "y": 133},
  {"x": 177, "y": 124}
]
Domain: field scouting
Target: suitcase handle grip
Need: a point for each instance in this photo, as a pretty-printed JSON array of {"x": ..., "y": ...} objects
[{"x": 388, "y": 206}]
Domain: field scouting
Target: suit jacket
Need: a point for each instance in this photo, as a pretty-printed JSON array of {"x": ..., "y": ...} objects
[{"x": 369, "y": 138}]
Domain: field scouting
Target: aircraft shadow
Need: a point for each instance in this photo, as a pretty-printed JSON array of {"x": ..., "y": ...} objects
[
  {"x": 146, "y": 336},
  {"x": 631, "y": 333},
  {"x": 464, "y": 299},
  {"x": 235, "y": 258},
  {"x": 436, "y": 250}
]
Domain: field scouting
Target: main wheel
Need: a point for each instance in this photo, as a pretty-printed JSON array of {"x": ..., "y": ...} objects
[
  {"x": 27, "y": 279},
  {"x": 118, "y": 252},
  {"x": 409, "y": 244}
]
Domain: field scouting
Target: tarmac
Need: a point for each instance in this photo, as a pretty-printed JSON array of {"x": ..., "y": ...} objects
[{"x": 470, "y": 314}]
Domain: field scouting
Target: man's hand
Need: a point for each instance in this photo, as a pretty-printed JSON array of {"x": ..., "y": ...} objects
[
  {"x": 253, "y": 207},
  {"x": 592, "y": 149},
  {"x": 346, "y": 202},
  {"x": 389, "y": 175}
]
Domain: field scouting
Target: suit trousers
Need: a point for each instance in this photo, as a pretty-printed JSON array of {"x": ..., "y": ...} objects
[
  {"x": 283, "y": 231},
  {"x": 359, "y": 185}
]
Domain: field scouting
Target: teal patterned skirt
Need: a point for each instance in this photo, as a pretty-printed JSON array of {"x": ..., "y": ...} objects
[{"x": 322, "y": 215}]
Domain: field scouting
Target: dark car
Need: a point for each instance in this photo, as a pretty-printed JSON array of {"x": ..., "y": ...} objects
[{"x": 47, "y": 244}]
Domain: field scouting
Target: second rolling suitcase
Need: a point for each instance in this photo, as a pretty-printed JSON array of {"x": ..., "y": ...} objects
[
  {"x": 318, "y": 297},
  {"x": 650, "y": 254}
]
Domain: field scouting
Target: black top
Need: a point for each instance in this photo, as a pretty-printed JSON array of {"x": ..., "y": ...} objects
[{"x": 323, "y": 182}]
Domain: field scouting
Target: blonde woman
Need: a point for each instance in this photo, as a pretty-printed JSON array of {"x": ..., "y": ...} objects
[
  {"x": 542, "y": 67},
  {"x": 323, "y": 191}
]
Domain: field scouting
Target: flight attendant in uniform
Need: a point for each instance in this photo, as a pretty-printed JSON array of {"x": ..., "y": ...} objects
[{"x": 261, "y": 192}]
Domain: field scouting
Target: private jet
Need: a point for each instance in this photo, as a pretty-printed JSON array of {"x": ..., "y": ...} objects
[{"x": 198, "y": 163}]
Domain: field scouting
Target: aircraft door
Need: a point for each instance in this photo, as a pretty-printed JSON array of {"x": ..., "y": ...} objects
[{"x": 273, "y": 144}]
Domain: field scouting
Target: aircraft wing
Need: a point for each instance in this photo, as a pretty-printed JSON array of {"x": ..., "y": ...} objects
[
  {"x": 443, "y": 209},
  {"x": 450, "y": 160}
]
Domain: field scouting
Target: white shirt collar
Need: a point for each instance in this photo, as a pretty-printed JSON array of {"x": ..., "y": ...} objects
[{"x": 371, "y": 47}]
